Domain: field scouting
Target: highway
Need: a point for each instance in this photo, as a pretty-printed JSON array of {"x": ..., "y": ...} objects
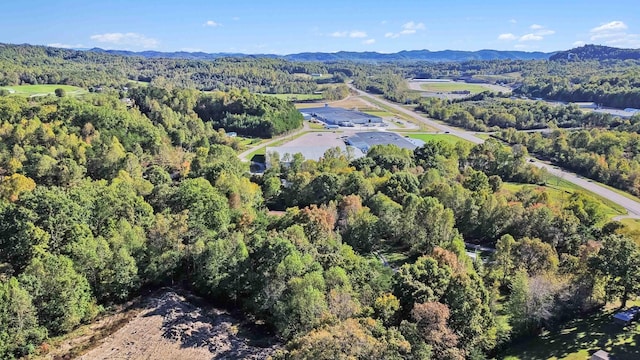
[{"x": 632, "y": 206}]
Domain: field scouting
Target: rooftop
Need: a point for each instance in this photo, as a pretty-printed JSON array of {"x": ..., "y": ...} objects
[
  {"x": 340, "y": 115},
  {"x": 365, "y": 140}
]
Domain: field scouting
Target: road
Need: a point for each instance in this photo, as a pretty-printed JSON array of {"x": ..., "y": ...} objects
[
  {"x": 632, "y": 206},
  {"x": 243, "y": 155}
]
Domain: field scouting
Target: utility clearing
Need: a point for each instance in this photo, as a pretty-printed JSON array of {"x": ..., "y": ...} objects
[{"x": 170, "y": 326}]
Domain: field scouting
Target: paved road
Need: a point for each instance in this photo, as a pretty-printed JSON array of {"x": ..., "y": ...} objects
[
  {"x": 632, "y": 206},
  {"x": 243, "y": 155}
]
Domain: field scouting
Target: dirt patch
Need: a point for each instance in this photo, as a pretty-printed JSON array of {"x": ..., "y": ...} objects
[{"x": 169, "y": 326}]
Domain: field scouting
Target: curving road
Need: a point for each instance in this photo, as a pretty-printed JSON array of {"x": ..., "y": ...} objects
[{"x": 632, "y": 206}]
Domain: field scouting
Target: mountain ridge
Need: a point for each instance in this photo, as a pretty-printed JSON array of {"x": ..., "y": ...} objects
[{"x": 367, "y": 56}]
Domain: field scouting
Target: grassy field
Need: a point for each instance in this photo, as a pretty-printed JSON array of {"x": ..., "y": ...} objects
[
  {"x": 43, "y": 90},
  {"x": 380, "y": 113},
  {"x": 296, "y": 97},
  {"x": 453, "y": 86},
  {"x": 560, "y": 190},
  {"x": 579, "y": 339},
  {"x": 430, "y": 137}
]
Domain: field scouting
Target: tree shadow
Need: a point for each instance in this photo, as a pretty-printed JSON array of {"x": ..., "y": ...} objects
[{"x": 590, "y": 334}]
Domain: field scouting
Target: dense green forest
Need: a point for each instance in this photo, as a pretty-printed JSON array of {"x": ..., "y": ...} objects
[
  {"x": 27, "y": 64},
  {"x": 107, "y": 195},
  {"x": 100, "y": 200},
  {"x": 486, "y": 112}
]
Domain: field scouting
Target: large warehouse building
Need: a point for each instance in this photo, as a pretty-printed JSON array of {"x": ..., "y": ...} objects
[
  {"x": 342, "y": 117},
  {"x": 365, "y": 140}
]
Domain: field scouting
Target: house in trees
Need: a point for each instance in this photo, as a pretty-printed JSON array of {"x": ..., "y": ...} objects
[
  {"x": 626, "y": 317},
  {"x": 600, "y": 355}
]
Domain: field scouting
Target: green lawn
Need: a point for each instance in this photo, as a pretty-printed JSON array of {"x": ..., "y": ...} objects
[
  {"x": 579, "y": 339},
  {"x": 42, "y": 90},
  {"x": 612, "y": 208},
  {"x": 453, "y": 86},
  {"x": 560, "y": 190},
  {"x": 431, "y": 137},
  {"x": 379, "y": 113},
  {"x": 296, "y": 97}
]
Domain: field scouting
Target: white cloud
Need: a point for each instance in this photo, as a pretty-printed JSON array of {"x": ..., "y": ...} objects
[
  {"x": 610, "y": 26},
  {"x": 530, "y": 37},
  {"x": 235, "y": 18},
  {"x": 513, "y": 21},
  {"x": 211, "y": 23},
  {"x": 578, "y": 43},
  {"x": 507, "y": 37},
  {"x": 613, "y": 34},
  {"x": 413, "y": 26},
  {"x": 521, "y": 46},
  {"x": 538, "y": 34},
  {"x": 545, "y": 32},
  {"x": 66, "y": 46},
  {"x": 126, "y": 39},
  {"x": 357, "y": 34},
  {"x": 369, "y": 41},
  {"x": 408, "y": 28}
]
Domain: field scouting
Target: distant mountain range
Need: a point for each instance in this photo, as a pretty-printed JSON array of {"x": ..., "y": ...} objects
[
  {"x": 411, "y": 55},
  {"x": 596, "y": 52},
  {"x": 586, "y": 52}
]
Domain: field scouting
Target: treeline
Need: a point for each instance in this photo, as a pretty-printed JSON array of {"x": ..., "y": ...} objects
[
  {"x": 607, "y": 156},
  {"x": 249, "y": 114},
  {"x": 392, "y": 85},
  {"x": 26, "y": 64},
  {"x": 486, "y": 112},
  {"x": 614, "y": 90}
]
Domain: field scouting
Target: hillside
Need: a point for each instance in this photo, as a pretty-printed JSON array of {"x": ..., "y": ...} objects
[
  {"x": 596, "y": 52},
  {"x": 369, "y": 56}
]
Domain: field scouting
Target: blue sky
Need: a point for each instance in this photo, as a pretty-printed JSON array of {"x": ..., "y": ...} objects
[{"x": 285, "y": 26}]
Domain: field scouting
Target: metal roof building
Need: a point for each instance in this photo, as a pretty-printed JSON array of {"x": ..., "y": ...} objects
[
  {"x": 342, "y": 117},
  {"x": 365, "y": 140}
]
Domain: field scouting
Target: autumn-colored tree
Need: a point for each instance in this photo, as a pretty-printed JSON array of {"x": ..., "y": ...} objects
[{"x": 431, "y": 319}]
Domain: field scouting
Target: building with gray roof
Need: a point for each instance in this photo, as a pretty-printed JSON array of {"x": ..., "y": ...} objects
[
  {"x": 365, "y": 140},
  {"x": 343, "y": 117}
]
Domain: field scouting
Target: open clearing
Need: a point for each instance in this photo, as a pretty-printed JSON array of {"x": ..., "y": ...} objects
[
  {"x": 43, "y": 90},
  {"x": 580, "y": 338},
  {"x": 444, "y": 89},
  {"x": 453, "y": 86},
  {"x": 432, "y": 137},
  {"x": 296, "y": 97},
  {"x": 560, "y": 191},
  {"x": 168, "y": 326}
]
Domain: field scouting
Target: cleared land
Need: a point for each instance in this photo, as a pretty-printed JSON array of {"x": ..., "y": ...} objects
[
  {"x": 167, "y": 326},
  {"x": 560, "y": 191},
  {"x": 431, "y": 137},
  {"x": 296, "y": 97},
  {"x": 43, "y": 90},
  {"x": 453, "y": 86}
]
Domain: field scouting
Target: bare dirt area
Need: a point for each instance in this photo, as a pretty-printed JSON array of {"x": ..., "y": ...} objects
[{"x": 170, "y": 326}]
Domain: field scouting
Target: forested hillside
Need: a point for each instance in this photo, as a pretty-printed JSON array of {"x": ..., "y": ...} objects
[
  {"x": 27, "y": 64},
  {"x": 99, "y": 200}
]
